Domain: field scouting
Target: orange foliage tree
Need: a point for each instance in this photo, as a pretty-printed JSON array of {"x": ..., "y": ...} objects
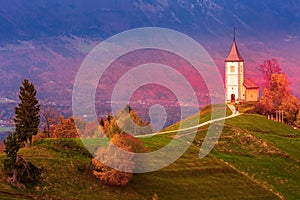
[
  {"x": 279, "y": 89},
  {"x": 265, "y": 106},
  {"x": 291, "y": 106},
  {"x": 65, "y": 128},
  {"x": 297, "y": 123},
  {"x": 113, "y": 156},
  {"x": 278, "y": 96},
  {"x": 126, "y": 118}
]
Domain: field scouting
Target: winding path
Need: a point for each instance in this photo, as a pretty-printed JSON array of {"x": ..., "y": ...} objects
[{"x": 230, "y": 106}]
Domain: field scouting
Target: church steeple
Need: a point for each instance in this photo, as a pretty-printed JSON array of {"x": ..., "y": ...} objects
[
  {"x": 234, "y": 55},
  {"x": 233, "y": 34},
  {"x": 237, "y": 87}
]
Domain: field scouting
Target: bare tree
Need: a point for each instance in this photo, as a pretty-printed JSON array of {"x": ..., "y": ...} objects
[
  {"x": 268, "y": 68},
  {"x": 49, "y": 118}
]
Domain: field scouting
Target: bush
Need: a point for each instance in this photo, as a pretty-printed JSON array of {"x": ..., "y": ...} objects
[
  {"x": 124, "y": 141},
  {"x": 110, "y": 176},
  {"x": 112, "y": 156}
]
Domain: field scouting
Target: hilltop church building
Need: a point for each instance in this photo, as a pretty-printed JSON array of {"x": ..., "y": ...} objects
[{"x": 237, "y": 87}]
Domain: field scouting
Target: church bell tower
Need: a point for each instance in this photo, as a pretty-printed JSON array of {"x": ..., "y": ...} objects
[{"x": 234, "y": 75}]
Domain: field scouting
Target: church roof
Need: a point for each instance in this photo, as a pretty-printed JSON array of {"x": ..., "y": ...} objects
[
  {"x": 249, "y": 84},
  {"x": 234, "y": 54}
]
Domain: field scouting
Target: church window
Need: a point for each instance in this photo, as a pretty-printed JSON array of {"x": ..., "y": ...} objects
[{"x": 232, "y": 69}]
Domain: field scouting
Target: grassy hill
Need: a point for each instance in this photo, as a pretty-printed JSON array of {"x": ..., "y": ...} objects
[{"x": 254, "y": 159}]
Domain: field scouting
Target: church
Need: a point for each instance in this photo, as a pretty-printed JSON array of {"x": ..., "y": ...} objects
[{"x": 238, "y": 88}]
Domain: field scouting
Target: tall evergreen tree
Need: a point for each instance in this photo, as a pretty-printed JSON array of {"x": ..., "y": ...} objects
[
  {"x": 27, "y": 117},
  {"x": 12, "y": 146}
]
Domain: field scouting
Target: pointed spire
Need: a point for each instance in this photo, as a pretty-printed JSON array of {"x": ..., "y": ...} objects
[
  {"x": 234, "y": 54},
  {"x": 233, "y": 34}
]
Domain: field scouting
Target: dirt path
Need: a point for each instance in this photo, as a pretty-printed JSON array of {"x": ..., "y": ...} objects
[{"x": 230, "y": 106}]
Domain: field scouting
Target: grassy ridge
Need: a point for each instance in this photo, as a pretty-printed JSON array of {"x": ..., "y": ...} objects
[
  {"x": 68, "y": 175},
  {"x": 267, "y": 150},
  {"x": 203, "y": 116},
  {"x": 254, "y": 159}
]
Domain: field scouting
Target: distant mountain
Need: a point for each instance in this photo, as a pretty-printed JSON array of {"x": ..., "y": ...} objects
[
  {"x": 46, "y": 41},
  {"x": 41, "y": 18}
]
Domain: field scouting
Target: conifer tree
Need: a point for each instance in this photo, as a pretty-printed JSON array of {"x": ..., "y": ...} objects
[
  {"x": 27, "y": 117},
  {"x": 12, "y": 146}
]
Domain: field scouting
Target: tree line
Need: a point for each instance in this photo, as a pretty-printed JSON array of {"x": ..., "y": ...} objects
[
  {"x": 27, "y": 120},
  {"x": 277, "y": 94}
]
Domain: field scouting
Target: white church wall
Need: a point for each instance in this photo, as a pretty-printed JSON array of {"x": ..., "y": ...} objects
[
  {"x": 230, "y": 91},
  {"x": 232, "y": 82},
  {"x": 228, "y": 67}
]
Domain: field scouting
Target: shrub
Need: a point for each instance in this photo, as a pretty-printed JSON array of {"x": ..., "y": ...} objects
[
  {"x": 112, "y": 156},
  {"x": 125, "y": 140},
  {"x": 65, "y": 128},
  {"x": 110, "y": 176}
]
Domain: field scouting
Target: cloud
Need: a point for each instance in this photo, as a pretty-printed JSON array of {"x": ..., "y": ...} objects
[{"x": 291, "y": 38}]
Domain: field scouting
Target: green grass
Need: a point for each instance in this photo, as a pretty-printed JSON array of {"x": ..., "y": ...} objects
[
  {"x": 67, "y": 175},
  {"x": 246, "y": 107},
  {"x": 266, "y": 150},
  {"x": 281, "y": 135},
  {"x": 203, "y": 116},
  {"x": 254, "y": 159}
]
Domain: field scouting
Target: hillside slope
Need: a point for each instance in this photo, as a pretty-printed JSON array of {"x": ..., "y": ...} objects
[{"x": 254, "y": 159}]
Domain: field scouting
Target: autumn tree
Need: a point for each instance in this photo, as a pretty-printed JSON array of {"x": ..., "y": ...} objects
[
  {"x": 273, "y": 95},
  {"x": 65, "y": 128},
  {"x": 265, "y": 106},
  {"x": 118, "y": 138},
  {"x": 278, "y": 96},
  {"x": 279, "y": 89},
  {"x": 124, "y": 120},
  {"x": 114, "y": 157},
  {"x": 291, "y": 106},
  {"x": 268, "y": 68},
  {"x": 297, "y": 123},
  {"x": 27, "y": 117}
]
